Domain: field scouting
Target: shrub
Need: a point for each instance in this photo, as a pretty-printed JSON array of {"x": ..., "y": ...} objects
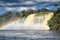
[{"x": 54, "y": 22}]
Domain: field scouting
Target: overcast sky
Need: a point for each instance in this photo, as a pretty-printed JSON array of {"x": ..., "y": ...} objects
[
  {"x": 23, "y": 2},
  {"x": 26, "y": 0},
  {"x": 18, "y": 5}
]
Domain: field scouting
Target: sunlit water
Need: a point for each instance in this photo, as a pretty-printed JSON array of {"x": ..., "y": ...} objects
[
  {"x": 30, "y": 23},
  {"x": 29, "y": 35}
]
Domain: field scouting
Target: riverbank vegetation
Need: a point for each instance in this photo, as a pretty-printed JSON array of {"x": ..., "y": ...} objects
[
  {"x": 54, "y": 22},
  {"x": 9, "y": 16},
  {"x": 41, "y": 14}
]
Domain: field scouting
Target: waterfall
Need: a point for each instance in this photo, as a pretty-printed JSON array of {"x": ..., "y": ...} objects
[
  {"x": 39, "y": 20},
  {"x": 32, "y": 22},
  {"x": 42, "y": 21},
  {"x": 29, "y": 20}
]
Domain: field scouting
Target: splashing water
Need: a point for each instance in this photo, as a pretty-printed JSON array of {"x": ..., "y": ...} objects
[
  {"x": 30, "y": 19},
  {"x": 30, "y": 23}
]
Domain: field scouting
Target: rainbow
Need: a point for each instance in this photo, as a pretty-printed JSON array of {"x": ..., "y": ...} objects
[{"x": 7, "y": 24}]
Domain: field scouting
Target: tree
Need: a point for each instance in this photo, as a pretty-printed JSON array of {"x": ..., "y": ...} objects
[{"x": 54, "y": 22}]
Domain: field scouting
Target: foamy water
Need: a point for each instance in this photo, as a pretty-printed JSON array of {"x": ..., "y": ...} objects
[{"x": 29, "y": 35}]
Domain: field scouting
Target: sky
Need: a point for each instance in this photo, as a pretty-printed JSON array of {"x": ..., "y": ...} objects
[{"x": 19, "y": 5}]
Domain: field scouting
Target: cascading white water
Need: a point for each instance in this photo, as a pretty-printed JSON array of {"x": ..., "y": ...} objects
[
  {"x": 29, "y": 20},
  {"x": 31, "y": 23}
]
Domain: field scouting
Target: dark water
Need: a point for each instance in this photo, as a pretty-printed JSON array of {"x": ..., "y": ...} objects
[{"x": 29, "y": 35}]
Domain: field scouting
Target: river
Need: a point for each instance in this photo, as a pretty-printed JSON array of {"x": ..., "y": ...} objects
[{"x": 29, "y": 35}]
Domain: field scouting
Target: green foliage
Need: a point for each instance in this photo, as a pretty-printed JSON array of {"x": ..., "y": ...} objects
[
  {"x": 54, "y": 22},
  {"x": 41, "y": 14},
  {"x": 8, "y": 16},
  {"x": 26, "y": 13}
]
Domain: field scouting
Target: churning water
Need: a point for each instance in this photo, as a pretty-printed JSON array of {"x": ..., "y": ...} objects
[
  {"x": 29, "y": 35},
  {"x": 30, "y": 23}
]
